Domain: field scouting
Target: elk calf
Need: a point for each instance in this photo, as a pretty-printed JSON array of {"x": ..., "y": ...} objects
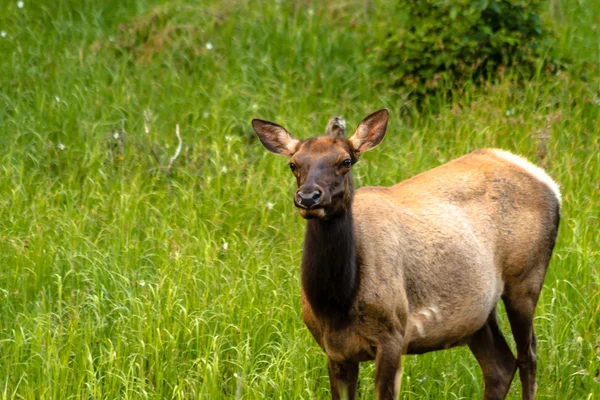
[{"x": 419, "y": 266}]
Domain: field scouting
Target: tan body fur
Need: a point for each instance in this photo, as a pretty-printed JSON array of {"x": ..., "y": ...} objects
[{"x": 447, "y": 231}]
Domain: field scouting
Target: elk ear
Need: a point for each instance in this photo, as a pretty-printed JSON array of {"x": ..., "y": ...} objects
[
  {"x": 336, "y": 127},
  {"x": 370, "y": 131},
  {"x": 275, "y": 138}
]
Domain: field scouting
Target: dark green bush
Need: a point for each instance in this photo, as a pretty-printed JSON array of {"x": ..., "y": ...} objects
[{"x": 452, "y": 41}]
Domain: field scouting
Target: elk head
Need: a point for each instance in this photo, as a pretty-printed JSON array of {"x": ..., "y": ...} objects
[{"x": 322, "y": 165}]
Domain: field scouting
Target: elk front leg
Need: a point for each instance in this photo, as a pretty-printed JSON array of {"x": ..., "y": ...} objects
[
  {"x": 343, "y": 378},
  {"x": 388, "y": 371}
]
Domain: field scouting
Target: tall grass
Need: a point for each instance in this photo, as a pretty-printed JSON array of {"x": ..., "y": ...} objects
[{"x": 120, "y": 278}]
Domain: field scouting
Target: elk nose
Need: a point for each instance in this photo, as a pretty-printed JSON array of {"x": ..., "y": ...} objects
[{"x": 308, "y": 199}]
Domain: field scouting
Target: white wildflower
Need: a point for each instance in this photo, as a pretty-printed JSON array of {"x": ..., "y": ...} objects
[
  {"x": 208, "y": 46},
  {"x": 57, "y": 99},
  {"x": 255, "y": 106},
  {"x": 224, "y": 169},
  {"x": 61, "y": 146},
  {"x": 116, "y": 135},
  {"x": 270, "y": 206},
  {"x": 510, "y": 112},
  {"x": 3, "y": 33},
  {"x": 142, "y": 283},
  {"x": 225, "y": 246},
  {"x": 20, "y": 4},
  {"x": 205, "y": 114},
  {"x": 228, "y": 138}
]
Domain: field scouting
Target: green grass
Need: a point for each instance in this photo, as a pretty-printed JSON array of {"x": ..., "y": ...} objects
[{"x": 122, "y": 279}]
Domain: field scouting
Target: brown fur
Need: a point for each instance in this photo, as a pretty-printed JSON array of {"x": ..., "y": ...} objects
[{"x": 420, "y": 266}]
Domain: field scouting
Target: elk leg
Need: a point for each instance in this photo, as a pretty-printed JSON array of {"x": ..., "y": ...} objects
[
  {"x": 495, "y": 358},
  {"x": 387, "y": 371},
  {"x": 343, "y": 378},
  {"x": 520, "y": 301}
]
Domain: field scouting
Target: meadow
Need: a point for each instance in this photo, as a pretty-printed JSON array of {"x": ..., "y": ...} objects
[{"x": 124, "y": 275}]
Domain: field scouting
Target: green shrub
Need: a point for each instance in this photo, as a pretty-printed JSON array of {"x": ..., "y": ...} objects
[{"x": 452, "y": 41}]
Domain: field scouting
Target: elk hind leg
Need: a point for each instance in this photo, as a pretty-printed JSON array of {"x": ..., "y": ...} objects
[
  {"x": 521, "y": 293},
  {"x": 520, "y": 300},
  {"x": 497, "y": 362}
]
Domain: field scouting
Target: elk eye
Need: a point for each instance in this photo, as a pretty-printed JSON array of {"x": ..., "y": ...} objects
[
  {"x": 292, "y": 166},
  {"x": 347, "y": 163}
]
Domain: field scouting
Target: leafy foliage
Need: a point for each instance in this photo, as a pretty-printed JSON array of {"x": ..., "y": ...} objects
[{"x": 457, "y": 40}]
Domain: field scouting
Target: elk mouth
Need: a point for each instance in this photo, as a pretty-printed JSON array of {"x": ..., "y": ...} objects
[
  {"x": 312, "y": 213},
  {"x": 312, "y": 207}
]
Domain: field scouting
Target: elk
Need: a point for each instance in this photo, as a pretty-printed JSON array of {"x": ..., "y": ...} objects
[{"x": 419, "y": 266}]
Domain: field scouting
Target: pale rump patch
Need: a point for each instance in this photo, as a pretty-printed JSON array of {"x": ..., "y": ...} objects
[{"x": 532, "y": 169}]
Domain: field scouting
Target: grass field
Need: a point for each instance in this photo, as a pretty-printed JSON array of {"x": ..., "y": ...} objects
[{"x": 123, "y": 278}]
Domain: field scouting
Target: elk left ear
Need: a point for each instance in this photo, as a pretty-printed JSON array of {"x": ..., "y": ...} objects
[
  {"x": 370, "y": 131},
  {"x": 275, "y": 138}
]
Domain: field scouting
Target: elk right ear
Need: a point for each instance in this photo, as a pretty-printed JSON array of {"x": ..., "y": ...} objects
[
  {"x": 370, "y": 131},
  {"x": 275, "y": 138}
]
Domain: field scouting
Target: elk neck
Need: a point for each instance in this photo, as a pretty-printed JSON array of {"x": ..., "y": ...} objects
[{"x": 330, "y": 268}]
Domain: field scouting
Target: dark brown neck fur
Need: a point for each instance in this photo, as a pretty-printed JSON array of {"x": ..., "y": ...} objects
[{"x": 330, "y": 270}]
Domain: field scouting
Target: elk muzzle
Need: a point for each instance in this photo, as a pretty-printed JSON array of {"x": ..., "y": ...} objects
[{"x": 308, "y": 197}]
